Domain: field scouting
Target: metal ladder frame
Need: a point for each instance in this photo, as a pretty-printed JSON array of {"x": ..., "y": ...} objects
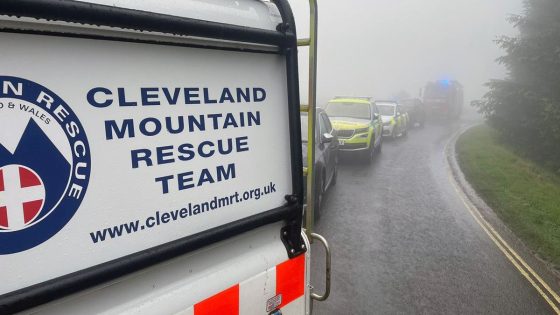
[{"x": 311, "y": 42}]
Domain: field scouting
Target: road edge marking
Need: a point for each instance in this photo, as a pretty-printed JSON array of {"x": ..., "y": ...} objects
[
  {"x": 506, "y": 252},
  {"x": 506, "y": 249}
]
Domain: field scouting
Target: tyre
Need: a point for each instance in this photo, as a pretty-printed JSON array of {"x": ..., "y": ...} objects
[
  {"x": 380, "y": 145},
  {"x": 369, "y": 154},
  {"x": 335, "y": 175}
]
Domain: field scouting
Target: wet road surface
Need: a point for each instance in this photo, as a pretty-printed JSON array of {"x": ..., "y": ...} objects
[{"x": 404, "y": 243}]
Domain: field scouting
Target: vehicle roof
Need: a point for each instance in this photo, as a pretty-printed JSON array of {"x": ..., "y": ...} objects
[
  {"x": 392, "y": 103},
  {"x": 350, "y": 100},
  {"x": 367, "y": 98}
]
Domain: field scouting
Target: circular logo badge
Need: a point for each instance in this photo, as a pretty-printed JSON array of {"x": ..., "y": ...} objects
[{"x": 44, "y": 164}]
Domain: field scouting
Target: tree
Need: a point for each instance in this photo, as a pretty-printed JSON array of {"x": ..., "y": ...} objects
[{"x": 525, "y": 106}]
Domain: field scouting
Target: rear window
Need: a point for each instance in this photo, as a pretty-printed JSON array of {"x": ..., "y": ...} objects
[{"x": 386, "y": 110}]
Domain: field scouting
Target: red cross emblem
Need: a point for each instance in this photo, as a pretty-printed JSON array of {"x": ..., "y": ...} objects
[{"x": 22, "y": 195}]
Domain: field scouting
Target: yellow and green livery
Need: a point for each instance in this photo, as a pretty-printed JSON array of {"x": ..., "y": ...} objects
[{"x": 357, "y": 124}]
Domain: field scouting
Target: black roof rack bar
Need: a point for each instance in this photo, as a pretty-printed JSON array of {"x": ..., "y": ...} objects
[{"x": 98, "y": 14}]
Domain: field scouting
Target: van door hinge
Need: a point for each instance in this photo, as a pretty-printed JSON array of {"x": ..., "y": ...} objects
[{"x": 291, "y": 233}]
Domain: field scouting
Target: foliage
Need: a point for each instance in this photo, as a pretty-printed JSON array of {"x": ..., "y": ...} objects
[
  {"x": 524, "y": 195},
  {"x": 525, "y": 107}
]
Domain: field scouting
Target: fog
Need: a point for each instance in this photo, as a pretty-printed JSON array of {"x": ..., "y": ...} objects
[{"x": 380, "y": 47}]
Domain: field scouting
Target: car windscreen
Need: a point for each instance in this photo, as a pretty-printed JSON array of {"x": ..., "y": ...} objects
[
  {"x": 386, "y": 110},
  {"x": 348, "y": 109}
]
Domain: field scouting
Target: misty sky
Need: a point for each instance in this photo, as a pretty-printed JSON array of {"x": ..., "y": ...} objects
[{"x": 378, "y": 47}]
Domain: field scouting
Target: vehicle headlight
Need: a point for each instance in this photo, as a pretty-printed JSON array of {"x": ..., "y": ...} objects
[{"x": 362, "y": 130}]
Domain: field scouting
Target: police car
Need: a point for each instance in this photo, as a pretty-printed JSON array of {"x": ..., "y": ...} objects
[
  {"x": 358, "y": 125},
  {"x": 395, "y": 119}
]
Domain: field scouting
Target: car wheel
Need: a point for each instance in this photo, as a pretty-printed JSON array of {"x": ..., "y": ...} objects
[
  {"x": 380, "y": 145},
  {"x": 370, "y": 153},
  {"x": 405, "y": 132},
  {"x": 394, "y": 133}
]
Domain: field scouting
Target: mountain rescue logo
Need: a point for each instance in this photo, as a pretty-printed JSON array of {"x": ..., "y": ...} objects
[{"x": 44, "y": 164}]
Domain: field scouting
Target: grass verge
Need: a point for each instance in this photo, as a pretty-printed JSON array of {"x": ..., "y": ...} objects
[{"x": 525, "y": 196}]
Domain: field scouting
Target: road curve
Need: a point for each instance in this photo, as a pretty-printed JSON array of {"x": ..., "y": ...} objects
[{"x": 404, "y": 243}]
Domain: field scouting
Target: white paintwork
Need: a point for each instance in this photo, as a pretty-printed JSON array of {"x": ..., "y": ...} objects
[
  {"x": 173, "y": 287},
  {"x": 254, "y": 292},
  {"x": 296, "y": 307}
]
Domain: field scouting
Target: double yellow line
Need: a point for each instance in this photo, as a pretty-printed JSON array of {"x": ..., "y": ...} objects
[{"x": 534, "y": 279}]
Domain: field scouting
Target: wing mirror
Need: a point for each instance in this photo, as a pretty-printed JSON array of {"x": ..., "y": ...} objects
[
  {"x": 326, "y": 138},
  {"x": 375, "y": 116}
]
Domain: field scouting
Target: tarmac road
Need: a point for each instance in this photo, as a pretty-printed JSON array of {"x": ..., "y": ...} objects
[{"x": 404, "y": 243}]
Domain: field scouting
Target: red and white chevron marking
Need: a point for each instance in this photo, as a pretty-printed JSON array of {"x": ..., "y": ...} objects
[{"x": 281, "y": 287}]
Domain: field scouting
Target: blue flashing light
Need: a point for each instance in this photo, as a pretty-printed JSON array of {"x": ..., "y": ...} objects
[{"x": 445, "y": 82}]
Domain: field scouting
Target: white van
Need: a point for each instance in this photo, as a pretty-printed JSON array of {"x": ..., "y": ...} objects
[{"x": 150, "y": 158}]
